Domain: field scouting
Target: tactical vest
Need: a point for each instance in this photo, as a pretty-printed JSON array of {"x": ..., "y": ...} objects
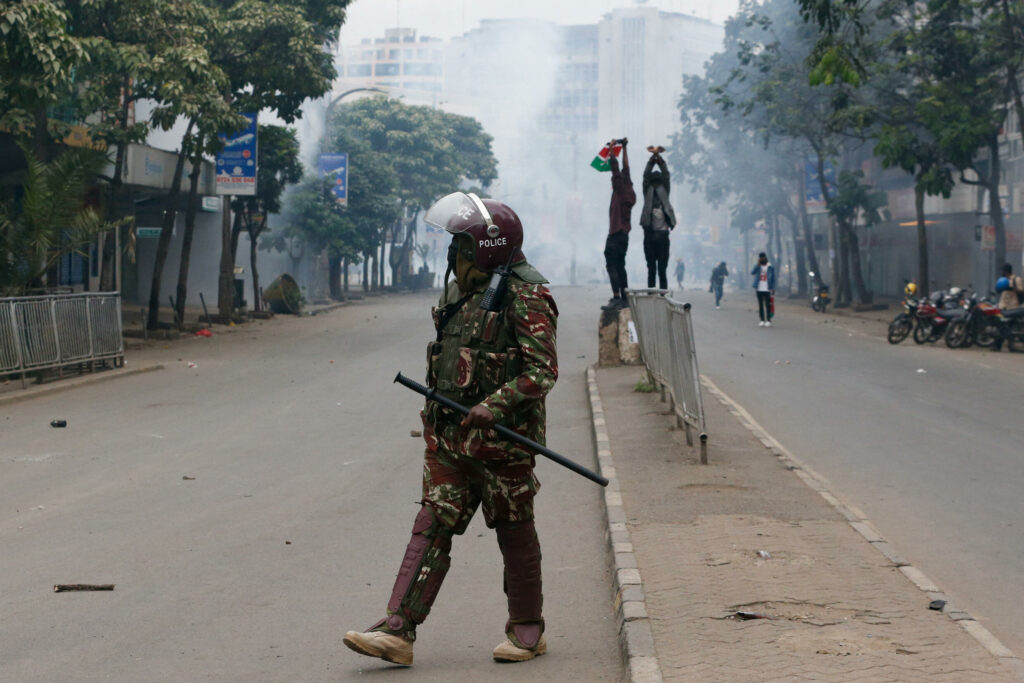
[{"x": 478, "y": 351}]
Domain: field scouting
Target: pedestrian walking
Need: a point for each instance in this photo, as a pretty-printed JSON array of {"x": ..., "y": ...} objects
[
  {"x": 680, "y": 272},
  {"x": 619, "y": 216},
  {"x": 657, "y": 218},
  {"x": 718, "y": 275},
  {"x": 764, "y": 285},
  {"x": 501, "y": 360}
]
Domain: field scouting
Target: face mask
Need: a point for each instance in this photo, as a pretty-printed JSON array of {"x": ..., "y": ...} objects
[{"x": 467, "y": 275}]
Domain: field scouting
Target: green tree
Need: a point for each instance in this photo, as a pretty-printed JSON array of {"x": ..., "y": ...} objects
[
  {"x": 431, "y": 153},
  {"x": 279, "y": 166},
  {"x": 48, "y": 217},
  {"x": 273, "y": 56},
  {"x": 38, "y": 58}
]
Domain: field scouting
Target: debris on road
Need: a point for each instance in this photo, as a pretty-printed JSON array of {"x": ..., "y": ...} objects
[
  {"x": 68, "y": 587},
  {"x": 58, "y": 424},
  {"x": 188, "y": 478},
  {"x": 204, "y": 333},
  {"x": 192, "y": 365},
  {"x": 415, "y": 433},
  {"x": 746, "y": 616},
  {"x": 287, "y": 542},
  {"x": 922, "y": 371},
  {"x": 937, "y": 605},
  {"x": 764, "y": 554}
]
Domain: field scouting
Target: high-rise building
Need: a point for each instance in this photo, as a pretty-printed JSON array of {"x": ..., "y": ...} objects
[
  {"x": 644, "y": 55},
  {"x": 401, "y": 62}
]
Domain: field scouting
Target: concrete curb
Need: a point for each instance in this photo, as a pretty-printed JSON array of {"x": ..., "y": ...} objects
[
  {"x": 635, "y": 634},
  {"x": 85, "y": 380},
  {"x": 862, "y": 525}
]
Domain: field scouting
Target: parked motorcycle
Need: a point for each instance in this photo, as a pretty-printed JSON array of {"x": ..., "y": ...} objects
[
  {"x": 935, "y": 313},
  {"x": 821, "y": 298},
  {"x": 980, "y": 325},
  {"x": 903, "y": 324}
]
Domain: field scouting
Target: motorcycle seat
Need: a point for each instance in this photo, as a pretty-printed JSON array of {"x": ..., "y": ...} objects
[{"x": 1014, "y": 313}]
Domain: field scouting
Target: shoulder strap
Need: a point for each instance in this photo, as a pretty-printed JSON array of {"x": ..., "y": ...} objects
[{"x": 448, "y": 312}]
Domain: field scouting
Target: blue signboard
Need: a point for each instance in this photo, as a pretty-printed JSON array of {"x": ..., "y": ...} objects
[
  {"x": 236, "y": 163},
  {"x": 812, "y": 186},
  {"x": 335, "y": 167}
]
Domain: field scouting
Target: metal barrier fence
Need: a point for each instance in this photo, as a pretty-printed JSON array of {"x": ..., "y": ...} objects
[
  {"x": 57, "y": 331},
  {"x": 665, "y": 331}
]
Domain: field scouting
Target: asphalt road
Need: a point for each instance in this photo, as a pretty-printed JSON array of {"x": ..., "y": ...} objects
[
  {"x": 935, "y": 458},
  {"x": 253, "y": 508}
]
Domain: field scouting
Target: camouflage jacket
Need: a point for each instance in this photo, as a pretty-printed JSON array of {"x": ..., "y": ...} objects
[{"x": 505, "y": 361}]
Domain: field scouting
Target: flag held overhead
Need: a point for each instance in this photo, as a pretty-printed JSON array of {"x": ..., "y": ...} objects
[{"x": 601, "y": 161}]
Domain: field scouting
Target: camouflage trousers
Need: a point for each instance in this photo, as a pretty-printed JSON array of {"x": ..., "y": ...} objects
[{"x": 455, "y": 485}]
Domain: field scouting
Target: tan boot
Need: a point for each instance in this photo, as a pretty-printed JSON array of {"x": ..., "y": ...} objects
[
  {"x": 510, "y": 652},
  {"x": 394, "y": 649}
]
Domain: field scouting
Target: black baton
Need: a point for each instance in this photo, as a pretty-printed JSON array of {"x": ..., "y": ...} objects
[{"x": 432, "y": 395}]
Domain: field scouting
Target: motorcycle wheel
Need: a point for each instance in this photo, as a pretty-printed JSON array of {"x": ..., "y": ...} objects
[
  {"x": 899, "y": 329},
  {"x": 922, "y": 331},
  {"x": 958, "y": 334},
  {"x": 986, "y": 335},
  {"x": 814, "y": 306}
]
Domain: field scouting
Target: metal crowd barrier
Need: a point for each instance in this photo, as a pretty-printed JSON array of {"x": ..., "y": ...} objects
[
  {"x": 665, "y": 331},
  {"x": 58, "y": 331}
]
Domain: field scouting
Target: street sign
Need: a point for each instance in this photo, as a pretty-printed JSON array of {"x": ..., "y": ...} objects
[
  {"x": 236, "y": 163},
  {"x": 335, "y": 166},
  {"x": 210, "y": 204},
  {"x": 147, "y": 233},
  {"x": 988, "y": 238}
]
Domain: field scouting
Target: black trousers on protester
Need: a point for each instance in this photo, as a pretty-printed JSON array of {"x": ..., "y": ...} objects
[
  {"x": 656, "y": 254},
  {"x": 764, "y": 304},
  {"x": 615, "y": 261}
]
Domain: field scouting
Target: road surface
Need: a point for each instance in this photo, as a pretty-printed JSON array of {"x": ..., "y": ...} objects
[
  {"x": 929, "y": 442},
  {"x": 253, "y": 508}
]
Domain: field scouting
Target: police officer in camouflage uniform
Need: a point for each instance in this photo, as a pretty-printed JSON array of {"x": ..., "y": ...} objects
[{"x": 501, "y": 362}]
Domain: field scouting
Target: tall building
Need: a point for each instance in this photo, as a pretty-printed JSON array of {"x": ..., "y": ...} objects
[
  {"x": 401, "y": 62},
  {"x": 643, "y": 57}
]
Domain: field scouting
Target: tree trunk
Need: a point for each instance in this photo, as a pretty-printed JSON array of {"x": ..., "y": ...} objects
[
  {"x": 164, "y": 243},
  {"x": 254, "y": 238},
  {"x": 334, "y": 275},
  {"x": 994, "y": 202},
  {"x": 853, "y": 242},
  {"x": 225, "y": 295},
  {"x": 109, "y": 253},
  {"x": 383, "y": 257},
  {"x": 344, "y": 277},
  {"x": 190, "y": 228},
  {"x": 801, "y": 264},
  {"x": 366, "y": 271},
  {"x": 922, "y": 243},
  {"x": 226, "y": 280},
  {"x": 805, "y": 220},
  {"x": 840, "y": 263}
]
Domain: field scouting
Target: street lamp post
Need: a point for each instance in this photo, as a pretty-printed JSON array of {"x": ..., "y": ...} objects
[{"x": 330, "y": 107}]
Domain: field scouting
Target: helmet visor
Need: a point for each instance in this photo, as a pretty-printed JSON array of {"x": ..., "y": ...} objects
[{"x": 457, "y": 213}]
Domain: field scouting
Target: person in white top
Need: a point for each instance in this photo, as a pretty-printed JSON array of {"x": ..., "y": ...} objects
[{"x": 764, "y": 285}]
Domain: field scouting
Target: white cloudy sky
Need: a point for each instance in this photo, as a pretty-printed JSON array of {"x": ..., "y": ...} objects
[{"x": 446, "y": 18}]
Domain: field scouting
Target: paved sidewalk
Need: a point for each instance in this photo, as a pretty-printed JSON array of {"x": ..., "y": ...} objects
[{"x": 824, "y": 603}]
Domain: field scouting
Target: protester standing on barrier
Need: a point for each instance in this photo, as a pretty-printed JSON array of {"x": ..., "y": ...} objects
[
  {"x": 619, "y": 215},
  {"x": 718, "y": 275},
  {"x": 495, "y": 351},
  {"x": 764, "y": 285},
  {"x": 657, "y": 218}
]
